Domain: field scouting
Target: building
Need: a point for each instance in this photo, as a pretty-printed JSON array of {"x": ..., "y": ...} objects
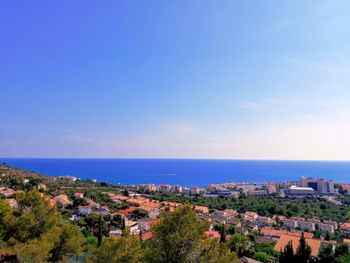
[
  {"x": 319, "y": 185},
  {"x": 212, "y": 234},
  {"x": 115, "y": 233},
  {"x": 271, "y": 189},
  {"x": 326, "y": 228},
  {"x": 290, "y": 223},
  {"x": 164, "y": 188},
  {"x": 133, "y": 226},
  {"x": 265, "y": 221},
  {"x": 274, "y": 233},
  {"x": 177, "y": 189},
  {"x": 307, "y": 226},
  {"x": 194, "y": 190},
  {"x": 297, "y": 190},
  {"x": 63, "y": 200},
  {"x": 151, "y": 187},
  {"x": 257, "y": 193},
  {"x": 250, "y": 216},
  {"x": 345, "y": 229},
  {"x": 79, "y": 195}
]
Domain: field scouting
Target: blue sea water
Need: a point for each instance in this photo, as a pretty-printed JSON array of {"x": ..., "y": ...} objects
[{"x": 187, "y": 172}]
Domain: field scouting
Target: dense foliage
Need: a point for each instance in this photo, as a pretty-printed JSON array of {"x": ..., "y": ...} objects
[
  {"x": 267, "y": 205},
  {"x": 35, "y": 232}
]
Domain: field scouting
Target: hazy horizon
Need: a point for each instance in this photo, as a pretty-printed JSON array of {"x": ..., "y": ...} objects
[{"x": 187, "y": 80}]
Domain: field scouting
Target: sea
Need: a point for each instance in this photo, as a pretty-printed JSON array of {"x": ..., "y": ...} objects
[{"x": 186, "y": 172}]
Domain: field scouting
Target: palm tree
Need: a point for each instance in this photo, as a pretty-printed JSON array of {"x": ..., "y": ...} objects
[{"x": 240, "y": 244}]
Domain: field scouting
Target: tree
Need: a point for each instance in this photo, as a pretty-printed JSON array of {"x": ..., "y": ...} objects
[
  {"x": 99, "y": 237},
  {"x": 261, "y": 256},
  {"x": 326, "y": 255},
  {"x": 34, "y": 232},
  {"x": 303, "y": 254},
  {"x": 212, "y": 251},
  {"x": 117, "y": 221},
  {"x": 287, "y": 255},
  {"x": 240, "y": 244},
  {"x": 176, "y": 236},
  {"x": 223, "y": 234},
  {"x": 121, "y": 250}
]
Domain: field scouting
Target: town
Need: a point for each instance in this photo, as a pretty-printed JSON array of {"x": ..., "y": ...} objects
[{"x": 137, "y": 208}]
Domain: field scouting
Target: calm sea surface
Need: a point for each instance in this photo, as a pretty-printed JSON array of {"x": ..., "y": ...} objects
[{"x": 184, "y": 172}]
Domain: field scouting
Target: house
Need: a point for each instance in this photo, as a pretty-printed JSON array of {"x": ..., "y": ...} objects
[
  {"x": 8, "y": 192},
  {"x": 242, "y": 230},
  {"x": 133, "y": 226},
  {"x": 201, "y": 209},
  {"x": 146, "y": 235},
  {"x": 79, "y": 195},
  {"x": 63, "y": 200},
  {"x": 146, "y": 223},
  {"x": 333, "y": 223},
  {"x": 212, "y": 234},
  {"x": 248, "y": 260},
  {"x": 326, "y": 228},
  {"x": 257, "y": 193},
  {"x": 282, "y": 242},
  {"x": 84, "y": 210},
  {"x": 12, "y": 203},
  {"x": 41, "y": 187},
  {"x": 250, "y": 216},
  {"x": 271, "y": 189},
  {"x": 265, "y": 221},
  {"x": 102, "y": 210},
  {"x": 274, "y": 233},
  {"x": 164, "y": 188},
  {"x": 290, "y": 223},
  {"x": 345, "y": 229},
  {"x": 115, "y": 233},
  {"x": 307, "y": 226}
]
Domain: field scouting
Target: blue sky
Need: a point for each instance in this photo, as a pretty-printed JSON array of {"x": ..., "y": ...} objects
[{"x": 175, "y": 79}]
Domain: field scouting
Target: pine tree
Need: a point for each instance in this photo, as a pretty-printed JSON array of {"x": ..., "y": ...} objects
[
  {"x": 99, "y": 238},
  {"x": 304, "y": 251},
  {"x": 223, "y": 234},
  {"x": 287, "y": 255}
]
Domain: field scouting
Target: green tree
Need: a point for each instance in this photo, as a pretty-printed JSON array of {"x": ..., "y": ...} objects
[
  {"x": 34, "y": 232},
  {"x": 176, "y": 236},
  {"x": 261, "y": 256},
  {"x": 212, "y": 251},
  {"x": 303, "y": 254},
  {"x": 223, "y": 234},
  {"x": 121, "y": 250},
  {"x": 240, "y": 244},
  {"x": 287, "y": 255},
  {"x": 326, "y": 255}
]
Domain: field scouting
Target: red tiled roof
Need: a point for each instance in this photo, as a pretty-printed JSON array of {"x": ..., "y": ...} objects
[
  {"x": 212, "y": 234},
  {"x": 146, "y": 236},
  {"x": 274, "y": 232}
]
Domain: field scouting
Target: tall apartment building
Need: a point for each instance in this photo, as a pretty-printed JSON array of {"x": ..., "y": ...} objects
[{"x": 319, "y": 185}]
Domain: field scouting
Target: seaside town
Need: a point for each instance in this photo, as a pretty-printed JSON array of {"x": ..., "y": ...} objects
[{"x": 138, "y": 207}]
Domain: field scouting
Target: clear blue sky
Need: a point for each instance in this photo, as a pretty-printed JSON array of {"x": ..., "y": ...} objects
[{"x": 184, "y": 79}]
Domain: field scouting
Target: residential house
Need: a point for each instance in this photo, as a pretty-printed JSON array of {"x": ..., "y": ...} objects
[
  {"x": 212, "y": 234},
  {"x": 63, "y": 200},
  {"x": 250, "y": 216},
  {"x": 133, "y": 226},
  {"x": 290, "y": 223},
  {"x": 326, "y": 228},
  {"x": 265, "y": 221},
  {"x": 307, "y": 226},
  {"x": 115, "y": 233}
]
